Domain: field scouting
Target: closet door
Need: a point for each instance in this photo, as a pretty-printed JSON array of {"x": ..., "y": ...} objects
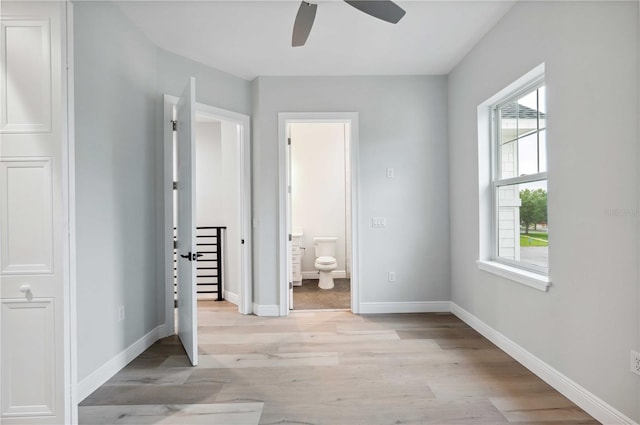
[{"x": 33, "y": 214}]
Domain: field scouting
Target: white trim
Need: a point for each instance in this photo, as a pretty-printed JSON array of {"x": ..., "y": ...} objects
[
  {"x": 69, "y": 200},
  {"x": 285, "y": 118},
  {"x": 527, "y": 178},
  {"x": 524, "y": 82},
  {"x": 167, "y": 298},
  {"x": 533, "y": 280},
  {"x": 164, "y": 331},
  {"x": 232, "y": 297},
  {"x": 337, "y": 274},
  {"x": 245, "y": 296},
  {"x": 405, "y": 307},
  {"x": 266, "y": 310},
  {"x": 585, "y": 399},
  {"x": 105, "y": 372}
]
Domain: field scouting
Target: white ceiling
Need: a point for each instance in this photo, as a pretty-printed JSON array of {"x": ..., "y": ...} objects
[{"x": 253, "y": 38}]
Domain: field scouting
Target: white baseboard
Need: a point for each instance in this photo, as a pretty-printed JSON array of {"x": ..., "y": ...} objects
[
  {"x": 585, "y": 399},
  {"x": 266, "y": 310},
  {"x": 105, "y": 372},
  {"x": 233, "y": 298},
  {"x": 337, "y": 274},
  {"x": 406, "y": 307},
  {"x": 164, "y": 331}
]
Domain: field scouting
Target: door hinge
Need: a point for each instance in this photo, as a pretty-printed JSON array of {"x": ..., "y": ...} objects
[
  {"x": 289, "y": 141},
  {"x": 175, "y": 244},
  {"x": 289, "y": 188},
  {"x": 175, "y": 303},
  {"x": 174, "y": 125},
  {"x": 242, "y": 241},
  {"x": 175, "y": 185},
  {"x": 290, "y": 238},
  {"x": 290, "y": 285}
]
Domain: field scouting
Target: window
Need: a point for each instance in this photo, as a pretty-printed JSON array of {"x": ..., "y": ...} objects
[{"x": 519, "y": 179}]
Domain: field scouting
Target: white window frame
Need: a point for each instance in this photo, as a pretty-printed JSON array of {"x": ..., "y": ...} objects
[{"x": 514, "y": 95}]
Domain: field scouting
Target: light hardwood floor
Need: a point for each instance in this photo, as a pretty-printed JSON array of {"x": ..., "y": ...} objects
[{"x": 331, "y": 368}]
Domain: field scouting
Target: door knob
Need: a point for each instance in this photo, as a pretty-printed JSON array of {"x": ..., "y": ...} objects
[
  {"x": 192, "y": 256},
  {"x": 25, "y": 288}
]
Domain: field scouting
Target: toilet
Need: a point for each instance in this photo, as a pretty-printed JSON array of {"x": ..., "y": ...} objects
[{"x": 325, "y": 260}]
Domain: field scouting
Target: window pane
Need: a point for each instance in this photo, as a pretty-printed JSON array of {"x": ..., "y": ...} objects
[
  {"x": 542, "y": 150},
  {"x": 528, "y": 113},
  {"x": 542, "y": 106},
  {"x": 508, "y": 222},
  {"x": 509, "y": 122},
  {"x": 528, "y": 155},
  {"x": 529, "y": 101},
  {"x": 508, "y": 166},
  {"x": 522, "y": 223}
]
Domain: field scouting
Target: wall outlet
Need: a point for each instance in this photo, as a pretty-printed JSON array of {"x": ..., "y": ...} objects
[
  {"x": 379, "y": 222},
  {"x": 392, "y": 277},
  {"x": 390, "y": 173},
  {"x": 121, "y": 313},
  {"x": 635, "y": 362}
]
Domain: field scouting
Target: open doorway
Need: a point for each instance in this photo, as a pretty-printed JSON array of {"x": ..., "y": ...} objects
[
  {"x": 218, "y": 208},
  {"x": 320, "y": 216},
  {"x": 318, "y": 194},
  {"x": 221, "y": 191}
]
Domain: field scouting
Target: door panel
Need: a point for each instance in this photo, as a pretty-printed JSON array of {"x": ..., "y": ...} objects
[
  {"x": 26, "y": 56},
  {"x": 26, "y": 217},
  {"x": 34, "y": 242},
  {"x": 27, "y": 360},
  {"x": 187, "y": 250}
]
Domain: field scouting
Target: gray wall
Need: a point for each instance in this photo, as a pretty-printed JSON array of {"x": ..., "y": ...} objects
[
  {"x": 403, "y": 124},
  {"x": 588, "y": 321},
  {"x": 213, "y": 87},
  {"x": 116, "y": 132},
  {"x": 120, "y": 77}
]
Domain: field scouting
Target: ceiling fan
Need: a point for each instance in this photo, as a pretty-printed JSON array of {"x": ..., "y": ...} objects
[{"x": 382, "y": 9}]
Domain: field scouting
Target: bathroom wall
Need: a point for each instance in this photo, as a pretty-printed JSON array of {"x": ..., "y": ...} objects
[{"x": 318, "y": 190}]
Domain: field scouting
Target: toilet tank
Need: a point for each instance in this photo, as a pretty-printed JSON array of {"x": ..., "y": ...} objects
[{"x": 325, "y": 247}]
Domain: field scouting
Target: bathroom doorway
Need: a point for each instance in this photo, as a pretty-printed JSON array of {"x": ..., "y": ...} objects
[{"x": 319, "y": 211}]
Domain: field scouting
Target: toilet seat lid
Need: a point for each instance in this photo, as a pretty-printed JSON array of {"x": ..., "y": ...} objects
[{"x": 325, "y": 260}]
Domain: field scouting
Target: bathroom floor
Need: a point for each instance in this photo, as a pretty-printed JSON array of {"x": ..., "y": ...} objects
[{"x": 310, "y": 297}]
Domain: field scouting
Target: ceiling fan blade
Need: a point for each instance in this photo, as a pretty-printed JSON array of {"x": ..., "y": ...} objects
[
  {"x": 381, "y": 9},
  {"x": 304, "y": 21}
]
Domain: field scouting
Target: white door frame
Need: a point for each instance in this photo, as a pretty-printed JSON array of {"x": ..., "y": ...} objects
[
  {"x": 69, "y": 200},
  {"x": 284, "y": 119},
  {"x": 245, "y": 295}
]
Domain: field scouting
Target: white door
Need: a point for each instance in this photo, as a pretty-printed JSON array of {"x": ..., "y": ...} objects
[
  {"x": 187, "y": 249},
  {"x": 34, "y": 362}
]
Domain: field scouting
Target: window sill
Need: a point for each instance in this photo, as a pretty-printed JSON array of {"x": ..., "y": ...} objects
[{"x": 527, "y": 278}]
